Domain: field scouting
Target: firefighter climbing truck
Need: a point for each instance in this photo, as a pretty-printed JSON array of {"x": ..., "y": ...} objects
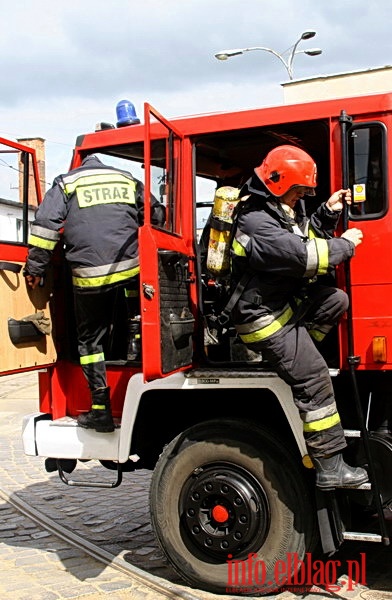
[{"x": 215, "y": 425}]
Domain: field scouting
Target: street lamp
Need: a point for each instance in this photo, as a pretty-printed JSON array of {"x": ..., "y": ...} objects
[{"x": 287, "y": 61}]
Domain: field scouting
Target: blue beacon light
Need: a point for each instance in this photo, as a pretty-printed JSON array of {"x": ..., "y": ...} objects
[{"x": 126, "y": 114}]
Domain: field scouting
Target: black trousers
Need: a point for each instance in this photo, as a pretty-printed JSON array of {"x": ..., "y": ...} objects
[
  {"x": 94, "y": 316},
  {"x": 293, "y": 354}
]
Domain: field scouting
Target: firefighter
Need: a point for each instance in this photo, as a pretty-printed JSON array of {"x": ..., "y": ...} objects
[
  {"x": 96, "y": 210},
  {"x": 285, "y": 311}
]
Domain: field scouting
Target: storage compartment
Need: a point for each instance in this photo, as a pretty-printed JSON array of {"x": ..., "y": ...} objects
[
  {"x": 181, "y": 328},
  {"x": 23, "y": 332}
]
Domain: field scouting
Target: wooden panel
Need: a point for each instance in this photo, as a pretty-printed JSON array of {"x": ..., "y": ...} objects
[{"x": 17, "y": 302}]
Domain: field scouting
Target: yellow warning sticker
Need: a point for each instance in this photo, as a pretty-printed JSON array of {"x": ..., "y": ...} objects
[{"x": 359, "y": 192}]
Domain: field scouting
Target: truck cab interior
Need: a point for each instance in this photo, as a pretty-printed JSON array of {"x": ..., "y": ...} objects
[{"x": 229, "y": 159}]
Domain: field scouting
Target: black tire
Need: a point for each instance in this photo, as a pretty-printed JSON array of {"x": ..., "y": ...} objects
[{"x": 264, "y": 507}]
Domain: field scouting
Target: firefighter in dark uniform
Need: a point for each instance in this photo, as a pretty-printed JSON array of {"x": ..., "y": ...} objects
[
  {"x": 285, "y": 310},
  {"x": 96, "y": 210}
]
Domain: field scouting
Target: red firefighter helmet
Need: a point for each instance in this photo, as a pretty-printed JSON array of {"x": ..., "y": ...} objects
[{"x": 285, "y": 167}]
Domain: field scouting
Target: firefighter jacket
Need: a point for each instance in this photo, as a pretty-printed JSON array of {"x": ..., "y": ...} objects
[
  {"x": 96, "y": 211},
  {"x": 282, "y": 257}
]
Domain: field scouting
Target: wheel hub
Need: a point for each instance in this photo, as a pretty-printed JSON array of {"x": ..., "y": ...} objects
[{"x": 224, "y": 511}]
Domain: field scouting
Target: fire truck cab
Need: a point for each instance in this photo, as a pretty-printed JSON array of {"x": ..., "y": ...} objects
[{"x": 214, "y": 423}]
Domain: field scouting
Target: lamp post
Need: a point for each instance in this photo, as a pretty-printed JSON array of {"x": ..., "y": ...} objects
[{"x": 286, "y": 61}]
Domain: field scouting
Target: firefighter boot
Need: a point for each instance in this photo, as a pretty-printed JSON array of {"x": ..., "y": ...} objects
[
  {"x": 332, "y": 472},
  {"x": 100, "y": 415}
]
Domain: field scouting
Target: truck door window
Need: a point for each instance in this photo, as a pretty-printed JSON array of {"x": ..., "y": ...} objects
[
  {"x": 163, "y": 169},
  {"x": 136, "y": 168},
  {"x": 367, "y": 169},
  {"x": 18, "y": 196}
]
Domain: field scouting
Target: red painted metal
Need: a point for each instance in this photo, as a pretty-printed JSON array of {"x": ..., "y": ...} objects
[{"x": 370, "y": 269}]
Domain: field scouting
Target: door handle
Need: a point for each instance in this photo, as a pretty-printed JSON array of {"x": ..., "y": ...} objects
[{"x": 9, "y": 266}]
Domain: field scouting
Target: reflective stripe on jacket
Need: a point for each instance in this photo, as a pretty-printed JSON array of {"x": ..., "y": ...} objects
[{"x": 98, "y": 209}]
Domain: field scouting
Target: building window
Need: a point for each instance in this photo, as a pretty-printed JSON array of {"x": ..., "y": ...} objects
[{"x": 19, "y": 230}]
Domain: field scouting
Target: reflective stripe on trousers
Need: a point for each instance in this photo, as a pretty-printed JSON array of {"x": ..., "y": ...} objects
[
  {"x": 94, "y": 314},
  {"x": 294, "y": 356}
]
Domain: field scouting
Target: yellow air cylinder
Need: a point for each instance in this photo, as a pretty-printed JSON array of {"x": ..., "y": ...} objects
[{"x": 218, "y": 253}]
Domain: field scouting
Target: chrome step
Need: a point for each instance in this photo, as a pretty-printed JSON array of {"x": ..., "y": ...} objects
[{"x": 363, "y": 537}]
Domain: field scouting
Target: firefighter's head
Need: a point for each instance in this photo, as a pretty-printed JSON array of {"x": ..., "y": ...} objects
[{"x": 288, "y": 168}]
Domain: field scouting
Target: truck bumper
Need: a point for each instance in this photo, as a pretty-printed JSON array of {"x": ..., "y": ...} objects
[{"x": 63, "y": 438}]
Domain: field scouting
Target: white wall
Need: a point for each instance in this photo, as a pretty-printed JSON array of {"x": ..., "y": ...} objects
[
  {"x": 323, "y": 87},
  {"x": 11, "y": 219}
]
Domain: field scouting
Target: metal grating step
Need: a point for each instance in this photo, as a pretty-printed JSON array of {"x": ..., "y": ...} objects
[{"x": 364, "y": 486}]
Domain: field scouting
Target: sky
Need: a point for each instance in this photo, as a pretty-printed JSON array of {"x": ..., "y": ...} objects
[{"x": 66, "y": 63}]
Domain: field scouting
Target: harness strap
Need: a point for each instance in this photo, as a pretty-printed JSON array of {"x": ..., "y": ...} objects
[{"x": 224, "y": 316}]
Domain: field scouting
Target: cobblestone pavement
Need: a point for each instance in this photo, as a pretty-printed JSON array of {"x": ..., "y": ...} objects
[{"x": 35, "y": 564}]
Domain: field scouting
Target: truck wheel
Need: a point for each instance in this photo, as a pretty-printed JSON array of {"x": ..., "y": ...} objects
[{"x": 228, "y": 500}]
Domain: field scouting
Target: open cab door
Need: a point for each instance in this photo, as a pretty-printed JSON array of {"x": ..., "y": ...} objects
[
  {"x": 168, "y": 284},
  {"x": 22, "y": 345}
]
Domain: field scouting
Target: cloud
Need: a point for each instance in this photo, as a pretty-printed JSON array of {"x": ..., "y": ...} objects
[{"x": 161, "y": 45}]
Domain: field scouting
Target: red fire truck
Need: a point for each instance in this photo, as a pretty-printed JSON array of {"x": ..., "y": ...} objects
[{"x": 217, "y": 427}]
